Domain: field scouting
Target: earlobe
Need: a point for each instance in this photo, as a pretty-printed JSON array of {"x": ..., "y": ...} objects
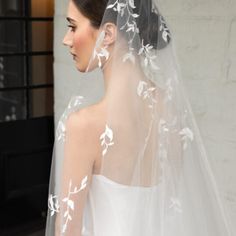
[{"x": 110, "y": 30}]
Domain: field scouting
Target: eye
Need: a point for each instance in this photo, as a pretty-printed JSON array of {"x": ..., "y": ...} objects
[{"x": 72, "y": 27}]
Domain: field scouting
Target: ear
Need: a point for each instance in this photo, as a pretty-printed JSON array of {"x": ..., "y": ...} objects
[{"x": 110, "y": 30}]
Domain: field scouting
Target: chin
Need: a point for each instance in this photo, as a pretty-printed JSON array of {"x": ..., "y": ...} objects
[
  {"x": 84, "y": 67},
  {"x": 81, "y": 68}
]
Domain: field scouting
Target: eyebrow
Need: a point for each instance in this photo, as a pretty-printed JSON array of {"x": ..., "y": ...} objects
[{"x": 70, "y": 20}]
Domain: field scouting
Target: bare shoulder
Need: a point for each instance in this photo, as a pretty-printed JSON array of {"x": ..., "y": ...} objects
[
  {"x": 87, "y": 118},
  {"x": 87, "y": 124}
]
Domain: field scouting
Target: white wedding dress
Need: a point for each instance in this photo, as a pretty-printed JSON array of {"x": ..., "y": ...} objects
[{"x": 110, "y": 205}]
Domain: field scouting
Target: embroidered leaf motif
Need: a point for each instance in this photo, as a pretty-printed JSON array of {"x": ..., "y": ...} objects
[
  {"x": 186, "y": 134},
  {"x": 163, "y": 126},
  {"x": 129, "y": 56},
  {"x": 141, "y": 87},
  {"x": 146, "y": 92},
  {"x": 106, "y": 139},
  {"x": 70, "y": 203},
  {"x": 148, "y": 54},
  {"x": 175, "y": 204},
  {"x": 75, "y": 102},
  {"x": 83, "y": 184},
  {"x": 111, "y": 5},
  {"x": 164, "y": 29},
  {"x": 53, "y": 204},
  {"x": 131, "y": 3},
  {"x": 60, "y": 132},
  {"x": 72, "y": 105},
  {"x": 169, "y": 89},
  {"x": 125, "y": 8},
  {"x": 103, "y": 53},
  {"x": 100, "y": 51}
]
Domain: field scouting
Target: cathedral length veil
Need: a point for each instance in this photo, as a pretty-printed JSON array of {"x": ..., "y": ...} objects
[{"x": 150, "y": 141}]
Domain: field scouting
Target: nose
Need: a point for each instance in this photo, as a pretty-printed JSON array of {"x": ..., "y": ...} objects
[{"x": 67, "y": 41}]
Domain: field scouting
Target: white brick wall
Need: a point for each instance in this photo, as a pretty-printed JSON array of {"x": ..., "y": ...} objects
[{"x": 205, "y": 37}]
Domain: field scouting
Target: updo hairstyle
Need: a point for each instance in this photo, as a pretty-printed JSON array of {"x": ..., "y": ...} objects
[{"x": 148, "y": 22}]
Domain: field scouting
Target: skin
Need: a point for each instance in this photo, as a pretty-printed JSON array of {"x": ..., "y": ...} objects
[
  {"x": 80, "y": 37},
  {"x": 82, "y": 147}
]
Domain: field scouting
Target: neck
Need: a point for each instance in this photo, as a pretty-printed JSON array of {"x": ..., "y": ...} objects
[{"x": 121, "y": 77}]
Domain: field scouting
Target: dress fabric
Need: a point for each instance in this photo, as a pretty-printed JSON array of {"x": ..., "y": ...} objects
[{"x": 111, "y": 205}]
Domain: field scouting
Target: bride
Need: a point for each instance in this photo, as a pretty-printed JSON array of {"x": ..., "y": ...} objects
[{"x": 133, "y": 163}]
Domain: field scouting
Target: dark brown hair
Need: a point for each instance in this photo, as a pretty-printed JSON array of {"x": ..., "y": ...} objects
[
  {"x": 148, "y": 22},
  {"x": 92, "y": 9}
]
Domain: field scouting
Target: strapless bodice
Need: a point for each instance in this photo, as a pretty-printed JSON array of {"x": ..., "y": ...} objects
[{"x": 114, "y": 209}]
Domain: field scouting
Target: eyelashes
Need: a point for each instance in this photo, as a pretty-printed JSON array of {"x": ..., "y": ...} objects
[{"x": 72, "y": 27}]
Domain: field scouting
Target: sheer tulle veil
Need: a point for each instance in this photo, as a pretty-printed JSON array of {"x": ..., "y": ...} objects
[{"x": 150, "y": 138}]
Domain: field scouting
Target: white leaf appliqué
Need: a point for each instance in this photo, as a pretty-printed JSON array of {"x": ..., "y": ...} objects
[
  {"x": 70, "y": 203},
  {"x": 53, "y": 204},
  {"x": 141, "y": 87},
  {"x": 175, "y": 204},
  {"x": 60, "y": 132},
  {"x": 129, "y": 56},
  {"x": 164, "y": 29},
  {"x": 131, "y": 3},
  {"x": 126, "y": 8},
  {"x": 61, "y": 128},
  {"x": 149, "y": 57},
  {"x": 146, "y": 92},
  {"x": 102, "y": 53},
  {"x": 106, "y": 139},
  {"x": 187, "y": 134},
  {"x": 163, "y": 126},
  {"x": 75, "y": 102},
  {"x": 169, "y": 90}
]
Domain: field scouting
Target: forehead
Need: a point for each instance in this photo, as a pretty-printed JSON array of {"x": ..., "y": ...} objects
[{"x": 74, "y": 13}]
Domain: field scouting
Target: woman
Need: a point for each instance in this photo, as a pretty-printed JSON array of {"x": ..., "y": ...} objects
[{"x": 133, "y": 163}]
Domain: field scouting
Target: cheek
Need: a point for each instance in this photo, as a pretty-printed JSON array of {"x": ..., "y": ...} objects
[
  {"x": 83, "y": 43},
  {"x": 79, "y": 41}
]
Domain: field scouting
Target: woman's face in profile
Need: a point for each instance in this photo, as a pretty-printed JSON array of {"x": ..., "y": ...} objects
[{"x": 80, "y": 37}]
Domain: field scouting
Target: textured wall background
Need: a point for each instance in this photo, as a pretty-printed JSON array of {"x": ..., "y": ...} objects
[{"x": 205, "y": 37}]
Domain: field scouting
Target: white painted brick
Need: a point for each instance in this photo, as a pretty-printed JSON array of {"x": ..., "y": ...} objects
[
  {"x": 198, "y": 7},
  {"x": 200, "y": 46},
  {"x": 61, "y": 7},
  {"x": 231, "y": 60}
]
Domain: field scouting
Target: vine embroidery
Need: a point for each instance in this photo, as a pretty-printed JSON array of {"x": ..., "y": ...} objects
[
  {"x": 146, "y": 92},
  {"x": 70, "y": 203},
  {"x": 106, "y": 139},
  {"x": 72, "y": 105},
  {"x": 175, "y": 204},
  {"x": 187, "y": 134},
  {"x": 54, "y": 207},
  {"x": 130, "y": 26}
]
